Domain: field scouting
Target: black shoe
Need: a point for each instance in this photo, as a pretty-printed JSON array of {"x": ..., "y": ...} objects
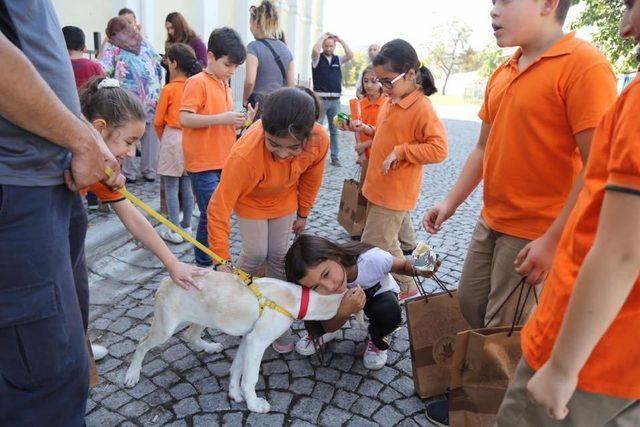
[
  {"x": 408, "y": 252},
  {"x": 131, "y": 180},
  {"x": 149, "y": 179},
  {"x": 438, "y": 412},
  {"x": 336, "y": 163}
]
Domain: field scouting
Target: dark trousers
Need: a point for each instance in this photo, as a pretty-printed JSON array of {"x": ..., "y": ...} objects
[
  {"x": 204, "y": 184},
  {"x": 43, "y": 356},
  {"x": 384, "y": 313}
]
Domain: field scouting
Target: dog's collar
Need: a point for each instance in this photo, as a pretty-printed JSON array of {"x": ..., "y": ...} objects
[{"x": 304, "y": 303}]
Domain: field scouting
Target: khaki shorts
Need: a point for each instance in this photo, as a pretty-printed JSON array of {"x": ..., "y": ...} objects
[{"x": 585, "y": 409}]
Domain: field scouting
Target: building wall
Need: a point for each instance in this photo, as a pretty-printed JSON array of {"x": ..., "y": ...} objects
[{"x": 300, "y": 19}]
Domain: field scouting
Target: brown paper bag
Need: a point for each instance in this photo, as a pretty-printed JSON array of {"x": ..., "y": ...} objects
[
  {"x": 352, "y": 213},
  {"x": 94, "y": 379},
  {"x": 483, "y": 363},
  {"x": 433, "y": 322}
]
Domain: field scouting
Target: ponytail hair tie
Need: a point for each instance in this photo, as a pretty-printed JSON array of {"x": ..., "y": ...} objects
[
  {"x": 422, "y": 64},
  {"x": 108, "y": 83}
]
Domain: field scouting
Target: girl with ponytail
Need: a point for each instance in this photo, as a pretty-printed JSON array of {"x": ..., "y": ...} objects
[
  {"x": 408, "y": 135},
  {"x": 182, "y": 64}
]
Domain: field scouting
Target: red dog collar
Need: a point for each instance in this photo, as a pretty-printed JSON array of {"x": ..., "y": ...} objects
[{"x": 304, "y": 303}]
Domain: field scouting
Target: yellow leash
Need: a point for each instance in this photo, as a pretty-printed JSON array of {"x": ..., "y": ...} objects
[{"x": 244, "y": 276}]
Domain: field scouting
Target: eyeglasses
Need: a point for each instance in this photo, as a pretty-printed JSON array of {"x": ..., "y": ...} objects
[{"x": 389, "y": 83}]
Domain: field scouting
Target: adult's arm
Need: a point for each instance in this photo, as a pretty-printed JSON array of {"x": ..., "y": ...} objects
[
  {"x": 291, "y": 74},
  {"x": 347, "y": 50},
  {"x": 251, "y": 71},
  {"x": 28, "y": 102},
  {"x": 317, "y": 48}
]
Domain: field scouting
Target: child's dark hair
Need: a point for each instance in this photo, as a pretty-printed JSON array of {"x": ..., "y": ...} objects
[
  {"x": 127, "y": 11},
  {"x": 368, "y": 69},
  {"x": 73, "y": 37},
  {"x": 563, "y": 10},
  {"x": 289, "y": 111},
  {"x": 308, "y": 251},
  {"x": 226, "y": 41},
  {"x": 400, "y": 57},
  {"x": 185, "y": 58},
  {"x": 316, "y": 99},
  {"x": 114, "y": 105}
]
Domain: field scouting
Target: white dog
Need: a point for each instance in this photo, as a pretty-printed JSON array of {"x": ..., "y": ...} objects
[{"x": 227, "y": 304}]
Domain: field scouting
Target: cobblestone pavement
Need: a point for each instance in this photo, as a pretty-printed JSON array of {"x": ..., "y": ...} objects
[{"x": 182, "y": 387}]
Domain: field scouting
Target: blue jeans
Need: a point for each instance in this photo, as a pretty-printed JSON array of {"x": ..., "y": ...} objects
[
  {"x": 44, "y": 374},
  {"x": 331, "y": 109},
  {"x": 175, "y": 186},
  {"x": 204, "y": 184}
]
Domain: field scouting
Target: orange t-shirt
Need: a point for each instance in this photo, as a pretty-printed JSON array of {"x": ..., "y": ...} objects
[
  {"x": 368, "y": 113},
  {"x": 529, "y": 163},
  {"x": 206, "y": 148},
  {"x": 168, "y": 108},
  {"x": 256, "y": 185},
  {"x": 614, "y": 165},
  {"x": 412, "y": 129},
  {"x": 103, "y": 193}
]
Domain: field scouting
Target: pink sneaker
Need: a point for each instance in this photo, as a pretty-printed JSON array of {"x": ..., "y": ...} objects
[
  {"x": 282, "y": 348},
  {"x": 406, "y": 295}
]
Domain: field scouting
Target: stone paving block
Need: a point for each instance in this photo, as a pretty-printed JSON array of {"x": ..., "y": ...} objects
[
  {"x": 404, "y": 385},
  {"x": 344, "y": 399},
  {"x": 90, "y": 406},
  {"x": 157, "y": 398},
  {"x": 208, "y": 420},
  {"x": 365, "y": 406},
  {"x": 108, "y": 339},
  {"x": 411, "y": 405},
  {"x": 139, "y": 257},
  {"x": 120, "y": 325},
  {"x": 274, "y": 367},
  {"x": 182, "y": 390},
  {"x": 280, "y": 401},
  {"x": 344, "y": 347},
  {"x": 370, "y": 388},
  {"x": 196, "y": 374},
  {"x": 278, "y": 381},
  {"x": 102, "y": 390},
  {"x": 175, "y": 352},
  {"x": 134, "y": 409},
  {"x": 140, "y": 312},
  {"x": 358, "y": 421},
  {"x": 342, "y": 362},
  {"x": 422, "y": 421},
  {"x": 103, "y": 417},
  {"x": 186, "y": 363},
  {"x": 302, "y": 386},
  {"x": 165, "y": 379},
  {"x": 389, "y": 395},
  {"x": 260, "y": 420},
  {"x": 107, "y": 364},
  {"x": 185, "y": 407},
  {"x": 323, "y": 391},
  {"x": 404, "y": 365},
  {"x": 116, "y": 400},
  {"x": 138, "y": 333},
  {"x": 307, "y": 409},
  {"x": 141, "y": 389},
  {"x": 112, "y": 268},
  {"x": 232, "y": 419},
  {"x": 333, "y": 417},
  {"x": 155, "y": 417},
  {"x": 207, "y": 385},
  {"x": 301, "y": 423},
  {"x": 219, "y": 369},
  {"x": 214, "y": 402},
  {"x": 349, "y": 382},
  {"x": 177, "y": 423},
  {"x": 141, "y": 294},
  {"x": 408, "y": 422},
  {"x": 122, "y": 348},
  {"x": 384, "y": 375},
  {"x": 388, "y": 416},
  {"x": 153, "y": 367},
  {"x": 300, "y": 368},
  {"x": 101, "y": 323}
]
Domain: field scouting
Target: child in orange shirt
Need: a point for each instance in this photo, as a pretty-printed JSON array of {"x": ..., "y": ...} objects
[
  {"x": 271, "y": 181},
  {"x": 182, "y": 63},
  {"x": 120, "y": 119},
  {"x": 408, "y": 135},
  {"x": 209, "y": 124},
  {"x": 580, "y": 347}
]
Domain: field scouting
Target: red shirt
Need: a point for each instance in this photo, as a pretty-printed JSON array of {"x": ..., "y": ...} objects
[{"x": 84, "y": 69}]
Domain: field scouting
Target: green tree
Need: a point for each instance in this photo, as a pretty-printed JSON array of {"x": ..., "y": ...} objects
[
  {"x": 449, "y": 48},
  {"x": 352, "y": 70},
  {"x": 489, "y": 58},
  {"x": 604, "y": 16}
]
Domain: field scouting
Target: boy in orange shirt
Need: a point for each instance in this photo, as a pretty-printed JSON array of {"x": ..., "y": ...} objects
[
  {"x": 540, "y": 106},
  {"x": 582, "y": 340},
  {"x": 209, "y": 124}
]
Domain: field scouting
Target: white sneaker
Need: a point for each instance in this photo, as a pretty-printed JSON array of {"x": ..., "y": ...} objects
[
  {"x": 306, "y": 347},
  {"x": 170, "y": 236},
  {"x": 99, "y": 351},
  {"x": 188, "y": 231},
  {"x": 374, "y": 358}
]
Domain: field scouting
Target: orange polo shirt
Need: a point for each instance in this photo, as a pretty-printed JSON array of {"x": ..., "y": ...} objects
[
  {"x": 412, "y": 129},
  {"x": 104, "y": 193},
  {"x": 168, "y": 108},
  {"x": 368, "y": 113},
  {"x": 534, "y": 115},
  {"x": 206, "y": 148},
  {"x": 614, "y": 165},
  {"x": 256, "y": 185}
]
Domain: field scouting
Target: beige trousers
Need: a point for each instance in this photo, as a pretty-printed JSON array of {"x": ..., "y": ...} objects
[
  {"x": 585, "y": 409},
  {"x": 382, "y": 230},
  {"x": 488, "y": 276}
]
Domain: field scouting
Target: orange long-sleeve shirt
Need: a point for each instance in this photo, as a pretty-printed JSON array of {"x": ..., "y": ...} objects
[
  {"x": 256, "y": 185},
  {"x": 414, "y": 132},
  {"x": 168, "y": 108},
  {"x": 368, "y": 113}
]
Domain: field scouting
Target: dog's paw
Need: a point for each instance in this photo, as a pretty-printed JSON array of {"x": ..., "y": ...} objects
[
  {"x": 132, "y": 377},
  {"x": 259, "y": 405},
  {"x": 213, "y": 347},
  {"x": 236, "y": 394}
]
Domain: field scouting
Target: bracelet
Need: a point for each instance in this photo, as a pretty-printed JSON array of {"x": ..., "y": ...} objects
[{"x": 300, "y": 216}]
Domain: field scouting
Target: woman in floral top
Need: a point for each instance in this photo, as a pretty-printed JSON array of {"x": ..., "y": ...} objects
[{"x": 130, "y": 59}]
